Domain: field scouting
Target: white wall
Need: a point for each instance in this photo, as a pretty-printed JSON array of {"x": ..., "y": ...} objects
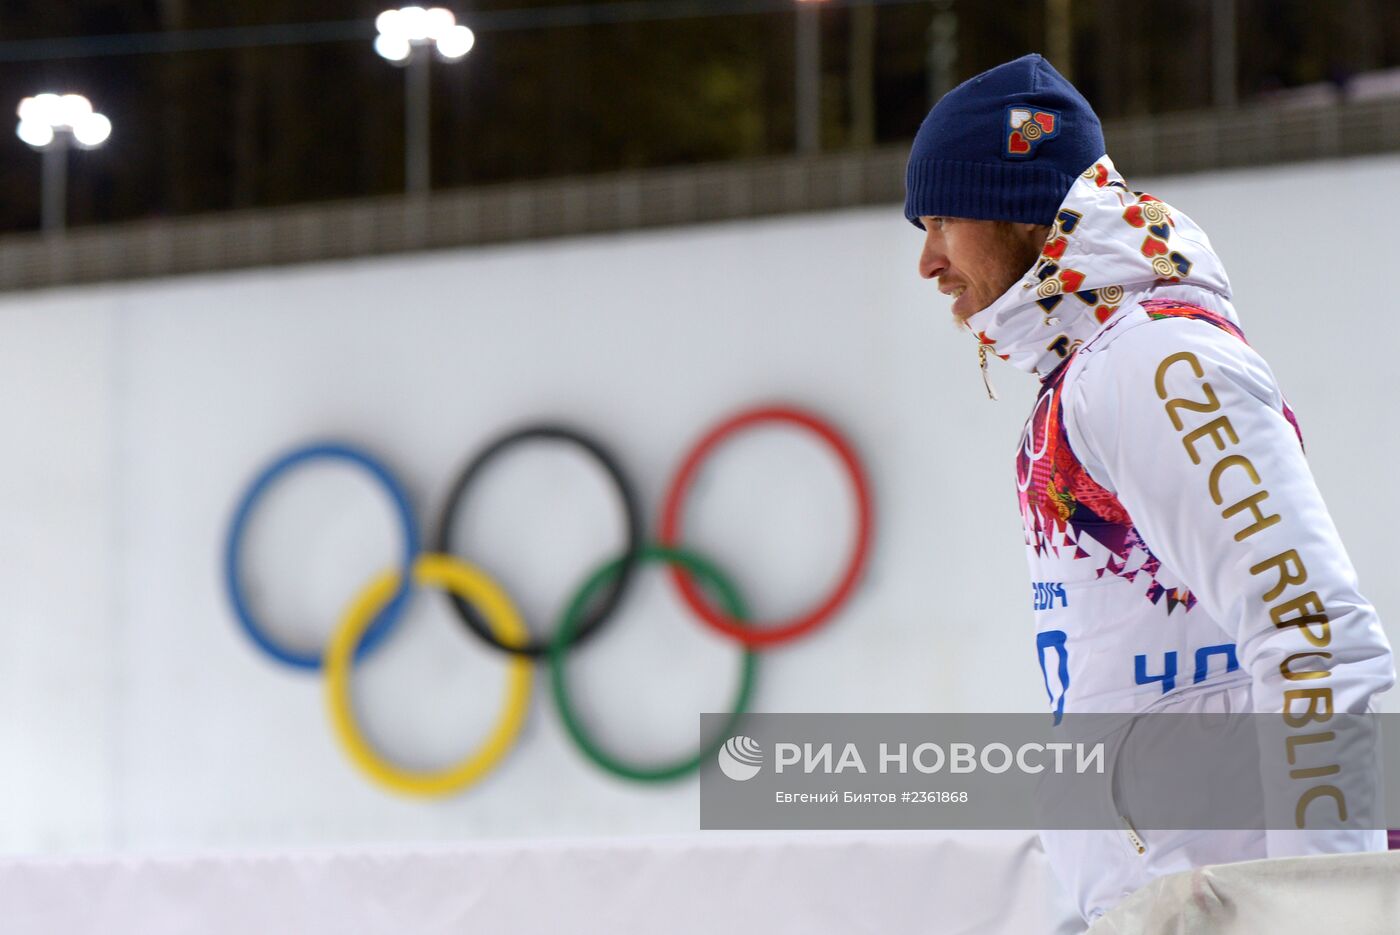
[{"x": 136, "y": 716}]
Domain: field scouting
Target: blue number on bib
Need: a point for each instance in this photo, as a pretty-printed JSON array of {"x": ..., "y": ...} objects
[
  {"x": 1167, "y": 678},
  {"x": 1203, "y": 660},
  {"x": 1044, "y": 641}
]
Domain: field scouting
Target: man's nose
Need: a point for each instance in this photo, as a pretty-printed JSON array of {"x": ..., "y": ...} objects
[{"x": 932, "y": 260}]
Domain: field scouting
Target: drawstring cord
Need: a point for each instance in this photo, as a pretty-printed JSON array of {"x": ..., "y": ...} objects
[
  {"x": 986, "y": 377},
  {"x": 983, "y": 347}
]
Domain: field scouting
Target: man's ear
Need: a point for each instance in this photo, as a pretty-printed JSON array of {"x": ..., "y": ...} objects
[{"x": 1036, "y": 234}]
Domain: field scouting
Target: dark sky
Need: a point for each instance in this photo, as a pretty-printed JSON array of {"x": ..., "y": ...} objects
[{"x": 233, "y": 128}]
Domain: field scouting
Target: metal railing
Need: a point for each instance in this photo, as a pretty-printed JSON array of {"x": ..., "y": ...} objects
[{"x": 1175, "y": 143}]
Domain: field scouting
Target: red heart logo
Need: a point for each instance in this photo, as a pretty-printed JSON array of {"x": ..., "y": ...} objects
[
  {"x": 1151, "y": 247},
  {"x": 1054, "y": 249},
  {"x": 1072, "y": 279},
  {"x": 1046, "y": 120},
  {"x": 1100, "y": 175},
  {"x": 1102, "y": 313},
  {"x": 1017, "y": 143},
  {"x": 1133, "y": 215}
]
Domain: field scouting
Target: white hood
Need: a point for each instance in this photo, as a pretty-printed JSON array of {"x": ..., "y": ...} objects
[{"x": 1109, "y": 248}]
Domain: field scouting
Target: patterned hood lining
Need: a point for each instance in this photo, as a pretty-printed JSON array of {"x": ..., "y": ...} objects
[{"x": 1107, "y": 241}]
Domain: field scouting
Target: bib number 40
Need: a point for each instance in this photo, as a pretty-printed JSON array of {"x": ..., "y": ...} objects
[{"x": 1168, "y": 674}]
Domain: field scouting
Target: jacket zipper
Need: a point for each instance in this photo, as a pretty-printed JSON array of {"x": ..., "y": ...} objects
[{"x": 1133, "y": 837}]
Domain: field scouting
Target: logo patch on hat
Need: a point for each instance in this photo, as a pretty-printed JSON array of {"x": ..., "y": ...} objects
[{"x": 1026, "y": 128}]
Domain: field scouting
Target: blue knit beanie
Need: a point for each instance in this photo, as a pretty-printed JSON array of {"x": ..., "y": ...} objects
[{"x": 1003, "y": 146}]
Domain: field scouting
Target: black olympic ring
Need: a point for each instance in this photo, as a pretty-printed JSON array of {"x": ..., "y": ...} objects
[{"x": 609, "y": 598}]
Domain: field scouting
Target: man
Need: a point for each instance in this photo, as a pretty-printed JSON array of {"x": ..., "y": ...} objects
[{"x": 1181, "y": 556}]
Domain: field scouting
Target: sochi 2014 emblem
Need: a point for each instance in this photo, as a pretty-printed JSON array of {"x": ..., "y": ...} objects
[{"x": 1026, "y": 129}]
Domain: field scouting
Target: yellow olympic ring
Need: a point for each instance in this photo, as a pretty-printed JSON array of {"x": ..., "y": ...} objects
[{"x": 469, "y": 583}]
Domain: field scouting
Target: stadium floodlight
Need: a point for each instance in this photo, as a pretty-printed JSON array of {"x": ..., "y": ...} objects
[
  {"x": 52, "y": 123},
  {"x": 406, "y": 37},
  {"x": 455, "y": 43},
  {"x": 808, "y": 82}
]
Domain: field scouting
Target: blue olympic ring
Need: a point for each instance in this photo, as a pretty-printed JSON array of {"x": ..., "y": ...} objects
[{"x": 387, "y": 618}]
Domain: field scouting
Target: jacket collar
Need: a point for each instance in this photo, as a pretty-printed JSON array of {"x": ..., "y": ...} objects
[{"x": 1107, "y": 242}]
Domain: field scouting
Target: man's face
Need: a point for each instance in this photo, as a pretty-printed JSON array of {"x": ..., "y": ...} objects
[{"x": 977, "y": 261}]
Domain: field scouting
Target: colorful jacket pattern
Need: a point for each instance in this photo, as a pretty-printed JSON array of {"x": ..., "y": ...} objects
[{"x": 1176, "y": 539}]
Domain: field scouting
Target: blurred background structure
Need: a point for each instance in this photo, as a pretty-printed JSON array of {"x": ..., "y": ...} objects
[{"x": 277, "y": 102}]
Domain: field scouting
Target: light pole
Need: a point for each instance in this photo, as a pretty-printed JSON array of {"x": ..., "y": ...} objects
[
  {"x": 1059, "y": 36},
  {"x": 809, "y": 77},
  {"x": 405, "y": 36},
  {"x": 52, "y": 123},
  {"x": 942, "y": 50},
  {"x": 1225, "y": 93}
]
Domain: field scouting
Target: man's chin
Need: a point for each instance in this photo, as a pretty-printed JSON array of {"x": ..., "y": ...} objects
[
  {"x": 963, "y": 325},
  {"x": 961, "y": 317},
  {"x": 965, "y": 306}
]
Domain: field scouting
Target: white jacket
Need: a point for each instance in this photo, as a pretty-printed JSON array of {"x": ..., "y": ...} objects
[{"x": 1177, "y": 542}]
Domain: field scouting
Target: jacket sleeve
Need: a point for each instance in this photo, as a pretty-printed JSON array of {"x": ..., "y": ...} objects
[{"x": 1185, "y": 423}]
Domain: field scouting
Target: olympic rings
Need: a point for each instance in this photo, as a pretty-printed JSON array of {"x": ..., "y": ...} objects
[
  {"x": 558, "y": 647},
  {"x": 670, "y": 533},
  {"x": 1028, "y": 443},
  {"x": 484, "y": 607},
  {"x": 430, "y": 570},
  {"x": 608, "y": 602},
  {"x": 234, "y": 544}
]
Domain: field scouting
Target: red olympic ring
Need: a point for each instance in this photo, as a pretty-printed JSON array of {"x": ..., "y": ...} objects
[{"x": 756, "y": 634}]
